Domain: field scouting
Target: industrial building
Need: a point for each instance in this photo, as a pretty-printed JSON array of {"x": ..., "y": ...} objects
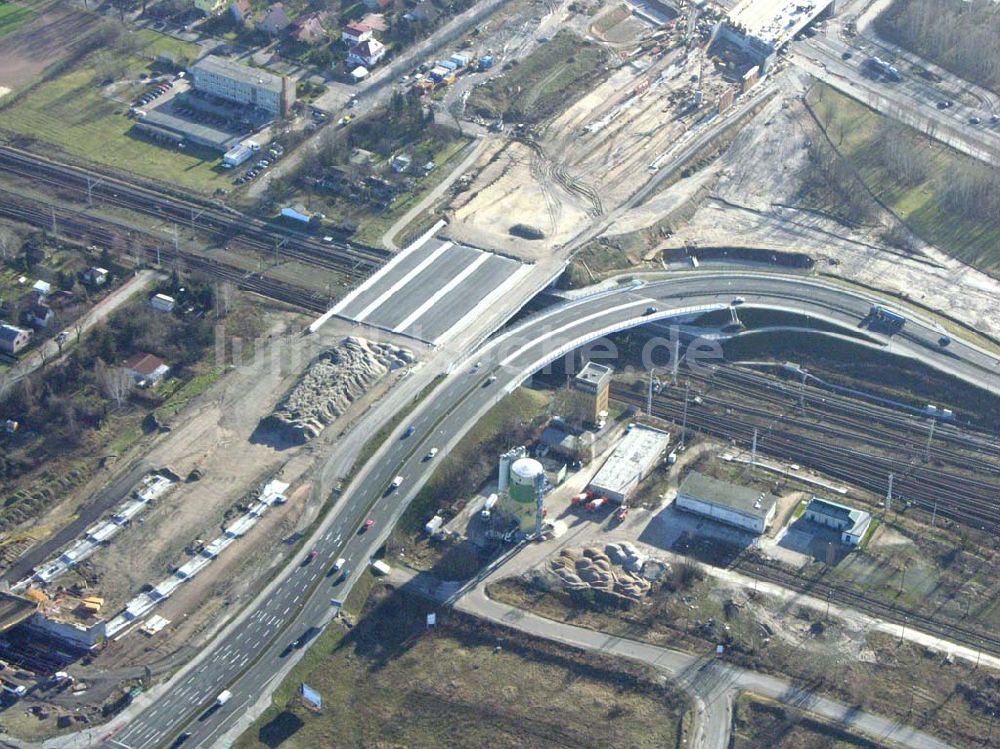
[
  {"x": 759, "y": 28},
  {"x": 591, "y": 388},
  {"x": 233, "y": 81},
  {"x": 163, "y": 124},
  {"x": 633, "y": 459},
  {"x": 850, "y": 521},
  {"x": 521, "y": 485},
  {"x": 731, "y": 504}
]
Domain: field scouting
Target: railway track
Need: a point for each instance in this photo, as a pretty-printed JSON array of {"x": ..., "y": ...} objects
[
  {"x": 90, "y": 229},
  {"x": 224, "y": 226},
  {"x": 793, "y": 580},
  {"x": 964, "y": 499}
]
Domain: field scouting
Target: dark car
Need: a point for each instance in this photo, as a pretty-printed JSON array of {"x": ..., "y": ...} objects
[
  {"x": 650, "y": 311},
  {"x": 409, "y": 431},
  {"x": 846, "y": 56},
  {"x": 974, "y": 120},
  {"x": 180, "y": 739}
]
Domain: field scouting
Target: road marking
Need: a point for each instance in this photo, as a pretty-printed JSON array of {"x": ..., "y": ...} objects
[
  {"x": 443, "y": 291},
  {"x": 388, "y": 293},
  {"x": 286, "y": 611}
]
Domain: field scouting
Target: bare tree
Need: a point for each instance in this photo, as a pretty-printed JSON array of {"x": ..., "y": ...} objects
[
  {"x": 115, "y": 381},
  {"x": 10, "y": 242}
]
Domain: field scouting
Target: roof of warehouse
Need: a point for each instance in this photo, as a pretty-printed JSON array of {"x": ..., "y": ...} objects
[
  {"x": 715, "y": 491},
  {"x": 637, "y": 450},
  {"x": 838, "y": 511},
  {"x": 239, "y": 72},
  {"x": 188, "y": 128}
]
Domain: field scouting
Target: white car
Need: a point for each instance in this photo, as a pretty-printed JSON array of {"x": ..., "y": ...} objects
[
  {"x": 339, "y": 564},
  {"x": 738, "y": 300},
  {"x": 396, "y": 483},
  {"x": 430, "y": 455}
]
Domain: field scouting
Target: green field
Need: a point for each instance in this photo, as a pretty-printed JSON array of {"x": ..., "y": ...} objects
[
  {"x": 855, "y": 131},
  {"x": 391, "y": 682},
  {"x": 12, "y": 17},
  {"x": 76, "y": 115}
]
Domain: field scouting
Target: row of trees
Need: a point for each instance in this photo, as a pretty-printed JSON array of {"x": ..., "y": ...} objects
[{"x": 962, "y": 36}]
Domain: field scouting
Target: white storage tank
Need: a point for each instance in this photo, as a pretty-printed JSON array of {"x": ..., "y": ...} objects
[{"x": 523, "y": 473}]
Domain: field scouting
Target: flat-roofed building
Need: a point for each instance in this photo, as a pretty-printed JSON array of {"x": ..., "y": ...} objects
[
  {"x": 630, "y": 463},
  {"x": 233, "y": 81},
  {"x": 735, "y": 505},
  {"x": 850, "y": 521}
]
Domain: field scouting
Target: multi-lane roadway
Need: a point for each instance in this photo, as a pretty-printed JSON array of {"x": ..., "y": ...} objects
[{"x": 248, "y": 659}]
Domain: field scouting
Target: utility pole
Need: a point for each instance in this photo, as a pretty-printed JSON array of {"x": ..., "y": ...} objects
[
  {"x": 684, "y": 420},
  {"x": 753, "y": 448},
  {"x": 934, "y": 515},
  {"x": 157, "y": 255},
  {"x": 902, "y": 632},
  {"x": 649, "y": 394},
  {"x": 676, "y": 359},
  {"x": 888, "y": 497},
  {"x": 177, "y": 248},
  {"x": 930, "y": 436},
  {"x": 55, "y": 227},
  {"x": 802, "y": 389}
]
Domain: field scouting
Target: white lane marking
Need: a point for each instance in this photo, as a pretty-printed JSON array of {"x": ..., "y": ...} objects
[
  {"x": 489, "y": 300},
  {"x": 375, "y": 277},
  {"x": 578, "y": 321},
  {"x": 443, "y": 291},
  {"x": 388, "y": 293},
  {"x": 286, "y": 611}
]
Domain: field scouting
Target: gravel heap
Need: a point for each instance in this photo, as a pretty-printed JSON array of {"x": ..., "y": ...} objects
[
  {"x": 334, "y": 380},
  {"x": 592, "y": 568}
]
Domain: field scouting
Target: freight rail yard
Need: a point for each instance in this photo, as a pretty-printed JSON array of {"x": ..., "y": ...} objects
[{"x": 330, "y": 441}]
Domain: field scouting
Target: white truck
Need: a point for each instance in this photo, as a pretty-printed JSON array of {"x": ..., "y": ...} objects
[
  {"x": 488, "y": 506},
  {"x": 380, "y": 568},
  {"x": 396, "y": 483},
  {"x": 224, "y": 696}
]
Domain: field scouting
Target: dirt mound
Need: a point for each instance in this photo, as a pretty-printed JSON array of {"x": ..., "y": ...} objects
[
  {"x": 593, "y": 569},
  {"x": 333, "y": 381}
]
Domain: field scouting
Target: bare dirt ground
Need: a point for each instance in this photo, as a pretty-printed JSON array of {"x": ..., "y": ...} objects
[
  {"x": 589, "y": 159},
  {"x": 217, "y": 436},
  {"x": 41, "y": 42},
  {"x": 753, "y": 187}
]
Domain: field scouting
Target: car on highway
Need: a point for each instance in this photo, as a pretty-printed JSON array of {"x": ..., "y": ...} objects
[
  {"x": 396, "y": 483},
  {"x": 180, "y": 740},
  {"x": 490, "y": 380},
  {"x": 368, "y": 525},
  {"x": 310, "y": 557},
  {"x": 974, "y": 120},
  {"x": 431, "y": 453},
  {"x": 737, "y": 301},
  {"x": 945, "y": 104},
  {"x": 409, "y": 431},
  {"x": 944, "y": 341},
  {"x": 650, "y": 311},
  {"x": 346, "y": 573},
  {"x": 994, "y": 119},
  {"x": 846, "y": 56}
]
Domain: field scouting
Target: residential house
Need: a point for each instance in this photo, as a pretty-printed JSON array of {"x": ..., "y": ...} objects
[
  {"x": 41, "y": 288},
  {"x": 851, "y": 522},
  {"x": 274, "y": 20},
  {"x": 354, "y": 33},
  {"x": 96, "y": 276},
  {"x": 38, "y": 314},
  {"x": 401, "y": 163},
  {"x": 367, "y": 53},
  {"x": 210, "y": 7},
  {"x": 162, "y": 303},
  {"x": 241, "y": 11},
  {"x": 13, "y": 339},
  {"x": 146, "y": 368},
  {"x": 309, "y": 29}
]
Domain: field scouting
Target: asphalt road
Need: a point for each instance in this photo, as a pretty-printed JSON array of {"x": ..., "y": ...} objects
[{"x": 247, "y": 659}]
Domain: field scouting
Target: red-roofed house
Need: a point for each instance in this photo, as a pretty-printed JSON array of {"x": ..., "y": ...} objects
[
  {"x": 355, "y": 33},
  {"x": 146, "y": 368},
  {"x": 368, "y": 53},
  {"x": 241, "y": 11},
  {"x": 309, "y": 29}
]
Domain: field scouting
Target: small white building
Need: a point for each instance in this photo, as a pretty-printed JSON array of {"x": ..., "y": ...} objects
[
  {"x": 367, "y": 53},
  {"x": 162, "y": 303},
  {"x": 146, "y": 368},
  {"x": 359, "y": 74},
  {"x": 96, "y": 276},
  {"x": 852, "y": 523},
  {"x": 42, "y": 288},
  {"x": 739, "y": 506}
]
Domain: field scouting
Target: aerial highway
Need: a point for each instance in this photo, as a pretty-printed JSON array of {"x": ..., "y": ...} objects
[{"x": 247, "y": 657}]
